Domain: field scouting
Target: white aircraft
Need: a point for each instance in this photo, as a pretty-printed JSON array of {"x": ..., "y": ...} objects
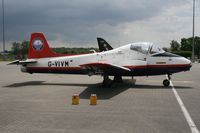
[{"x": 134, "y": 59}]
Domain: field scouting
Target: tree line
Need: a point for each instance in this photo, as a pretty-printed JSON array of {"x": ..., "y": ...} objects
[
  {"x": 20, "y": 50},
  {"x": 184, "y": 48}
]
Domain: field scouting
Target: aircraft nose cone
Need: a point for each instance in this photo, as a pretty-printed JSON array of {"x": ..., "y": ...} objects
[{"x": 186, "y": 61}]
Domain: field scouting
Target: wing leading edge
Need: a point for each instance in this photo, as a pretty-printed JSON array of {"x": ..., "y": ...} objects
[
  {"x": 18, "y": 62},
  {"x": 103, "y": 66}
]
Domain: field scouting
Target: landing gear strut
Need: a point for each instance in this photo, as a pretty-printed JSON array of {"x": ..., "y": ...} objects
[
  {"x": 166, "y": 82},
  {"x": 107, "y": 82},
  {"x": 169, "y": 76}
]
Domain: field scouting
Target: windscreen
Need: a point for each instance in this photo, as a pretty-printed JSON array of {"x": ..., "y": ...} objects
[
  {"x": 155, "y": 49},
  {"x": 140, "y": 47}
]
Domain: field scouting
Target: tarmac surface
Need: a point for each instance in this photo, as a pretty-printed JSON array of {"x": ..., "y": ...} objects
[{"x": 41, "y": 103}]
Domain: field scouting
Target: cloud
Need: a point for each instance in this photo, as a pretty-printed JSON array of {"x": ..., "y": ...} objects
[{"x": 79, "y": 22}]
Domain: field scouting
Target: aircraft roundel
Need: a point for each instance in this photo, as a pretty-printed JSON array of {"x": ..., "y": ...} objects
[{"x": 37, "y": 44}]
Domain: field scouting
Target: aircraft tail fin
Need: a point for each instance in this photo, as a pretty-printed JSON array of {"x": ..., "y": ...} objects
[
  {"x": 103, "y": 45},
  {"x": 39, "y": 48}
]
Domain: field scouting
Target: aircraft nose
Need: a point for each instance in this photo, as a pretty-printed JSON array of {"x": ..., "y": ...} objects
[{"x": 186, "y": 61}]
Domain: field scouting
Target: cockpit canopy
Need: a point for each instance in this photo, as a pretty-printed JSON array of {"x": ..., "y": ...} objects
[{"x": 146, "y": 48}]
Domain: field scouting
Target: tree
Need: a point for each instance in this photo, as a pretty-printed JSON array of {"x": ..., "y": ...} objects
[
  {"x": 20, "y": 50},
  {"x": 15, "y": 47},
  {"x": 175, "y": 46},
  {"x": 197, "y": 46},
  {"x": 186, "y": 44},
  {"x": 24, "y": 48}
]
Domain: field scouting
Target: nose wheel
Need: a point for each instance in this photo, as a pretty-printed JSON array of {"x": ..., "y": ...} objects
[{"x": 166, "y": 82}]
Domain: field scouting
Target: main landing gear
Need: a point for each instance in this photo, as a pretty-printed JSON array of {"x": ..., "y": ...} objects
[
  {"x": 107, "y": 82},
  {"x": 166, "y": 82}
]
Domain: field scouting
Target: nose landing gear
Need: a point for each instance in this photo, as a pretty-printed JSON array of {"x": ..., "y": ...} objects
[{"x": 166, "y": 82}]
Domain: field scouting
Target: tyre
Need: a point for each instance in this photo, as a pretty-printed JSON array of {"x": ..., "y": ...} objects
[{"x": 166, "y": 82}]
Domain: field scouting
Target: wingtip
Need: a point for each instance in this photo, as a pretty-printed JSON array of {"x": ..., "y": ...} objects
[{"x": 15, "y": 62}]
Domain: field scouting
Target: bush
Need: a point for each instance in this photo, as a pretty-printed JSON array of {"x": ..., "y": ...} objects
[{"x": 185, "y": 54}]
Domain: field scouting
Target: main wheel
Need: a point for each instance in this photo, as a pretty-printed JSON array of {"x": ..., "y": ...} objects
[
  {"x": 107, "y": 82},
  {"x": 118, "y": 79},
  {"x": 166, "y": 82}
]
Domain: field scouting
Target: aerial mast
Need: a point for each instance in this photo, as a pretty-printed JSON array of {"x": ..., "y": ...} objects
[
  {"x": 3, "y": 28},
  {"x": 193, "y": 41}
]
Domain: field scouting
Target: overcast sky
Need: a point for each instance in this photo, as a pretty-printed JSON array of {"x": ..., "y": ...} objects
[{"x": 74, "y": 23}]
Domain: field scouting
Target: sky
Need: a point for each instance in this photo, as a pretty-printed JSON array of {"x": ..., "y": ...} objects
[{"x": 77, "y": 23}]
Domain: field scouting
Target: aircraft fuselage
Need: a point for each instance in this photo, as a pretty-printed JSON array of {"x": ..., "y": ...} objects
[{"x": 139, "y": 63}]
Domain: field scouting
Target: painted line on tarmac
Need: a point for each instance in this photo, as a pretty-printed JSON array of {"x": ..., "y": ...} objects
[
  {"x": 173, "y": 81},
  {"x": 190, "y": 122}
]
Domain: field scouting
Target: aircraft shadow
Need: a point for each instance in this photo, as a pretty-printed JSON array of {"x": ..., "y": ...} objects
[
  {"x": 43, "y": 83},
  {"x": 101, "y": 92},
  {"x": 104, "y": 92},
  {"x": 107, "y": 93}
]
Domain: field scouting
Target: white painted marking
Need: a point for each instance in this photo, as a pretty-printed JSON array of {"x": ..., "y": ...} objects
[
  {"x": 190, "y": 122},
  {"x": 173, "y": 81}
]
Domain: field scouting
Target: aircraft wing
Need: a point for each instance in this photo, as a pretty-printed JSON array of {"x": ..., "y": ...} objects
[
  {"x": 103, "y": 66},
  {"x": 18, "y": 62}
]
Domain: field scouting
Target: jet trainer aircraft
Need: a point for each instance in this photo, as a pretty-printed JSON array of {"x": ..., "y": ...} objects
[{"x": 134, "y": 59}]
